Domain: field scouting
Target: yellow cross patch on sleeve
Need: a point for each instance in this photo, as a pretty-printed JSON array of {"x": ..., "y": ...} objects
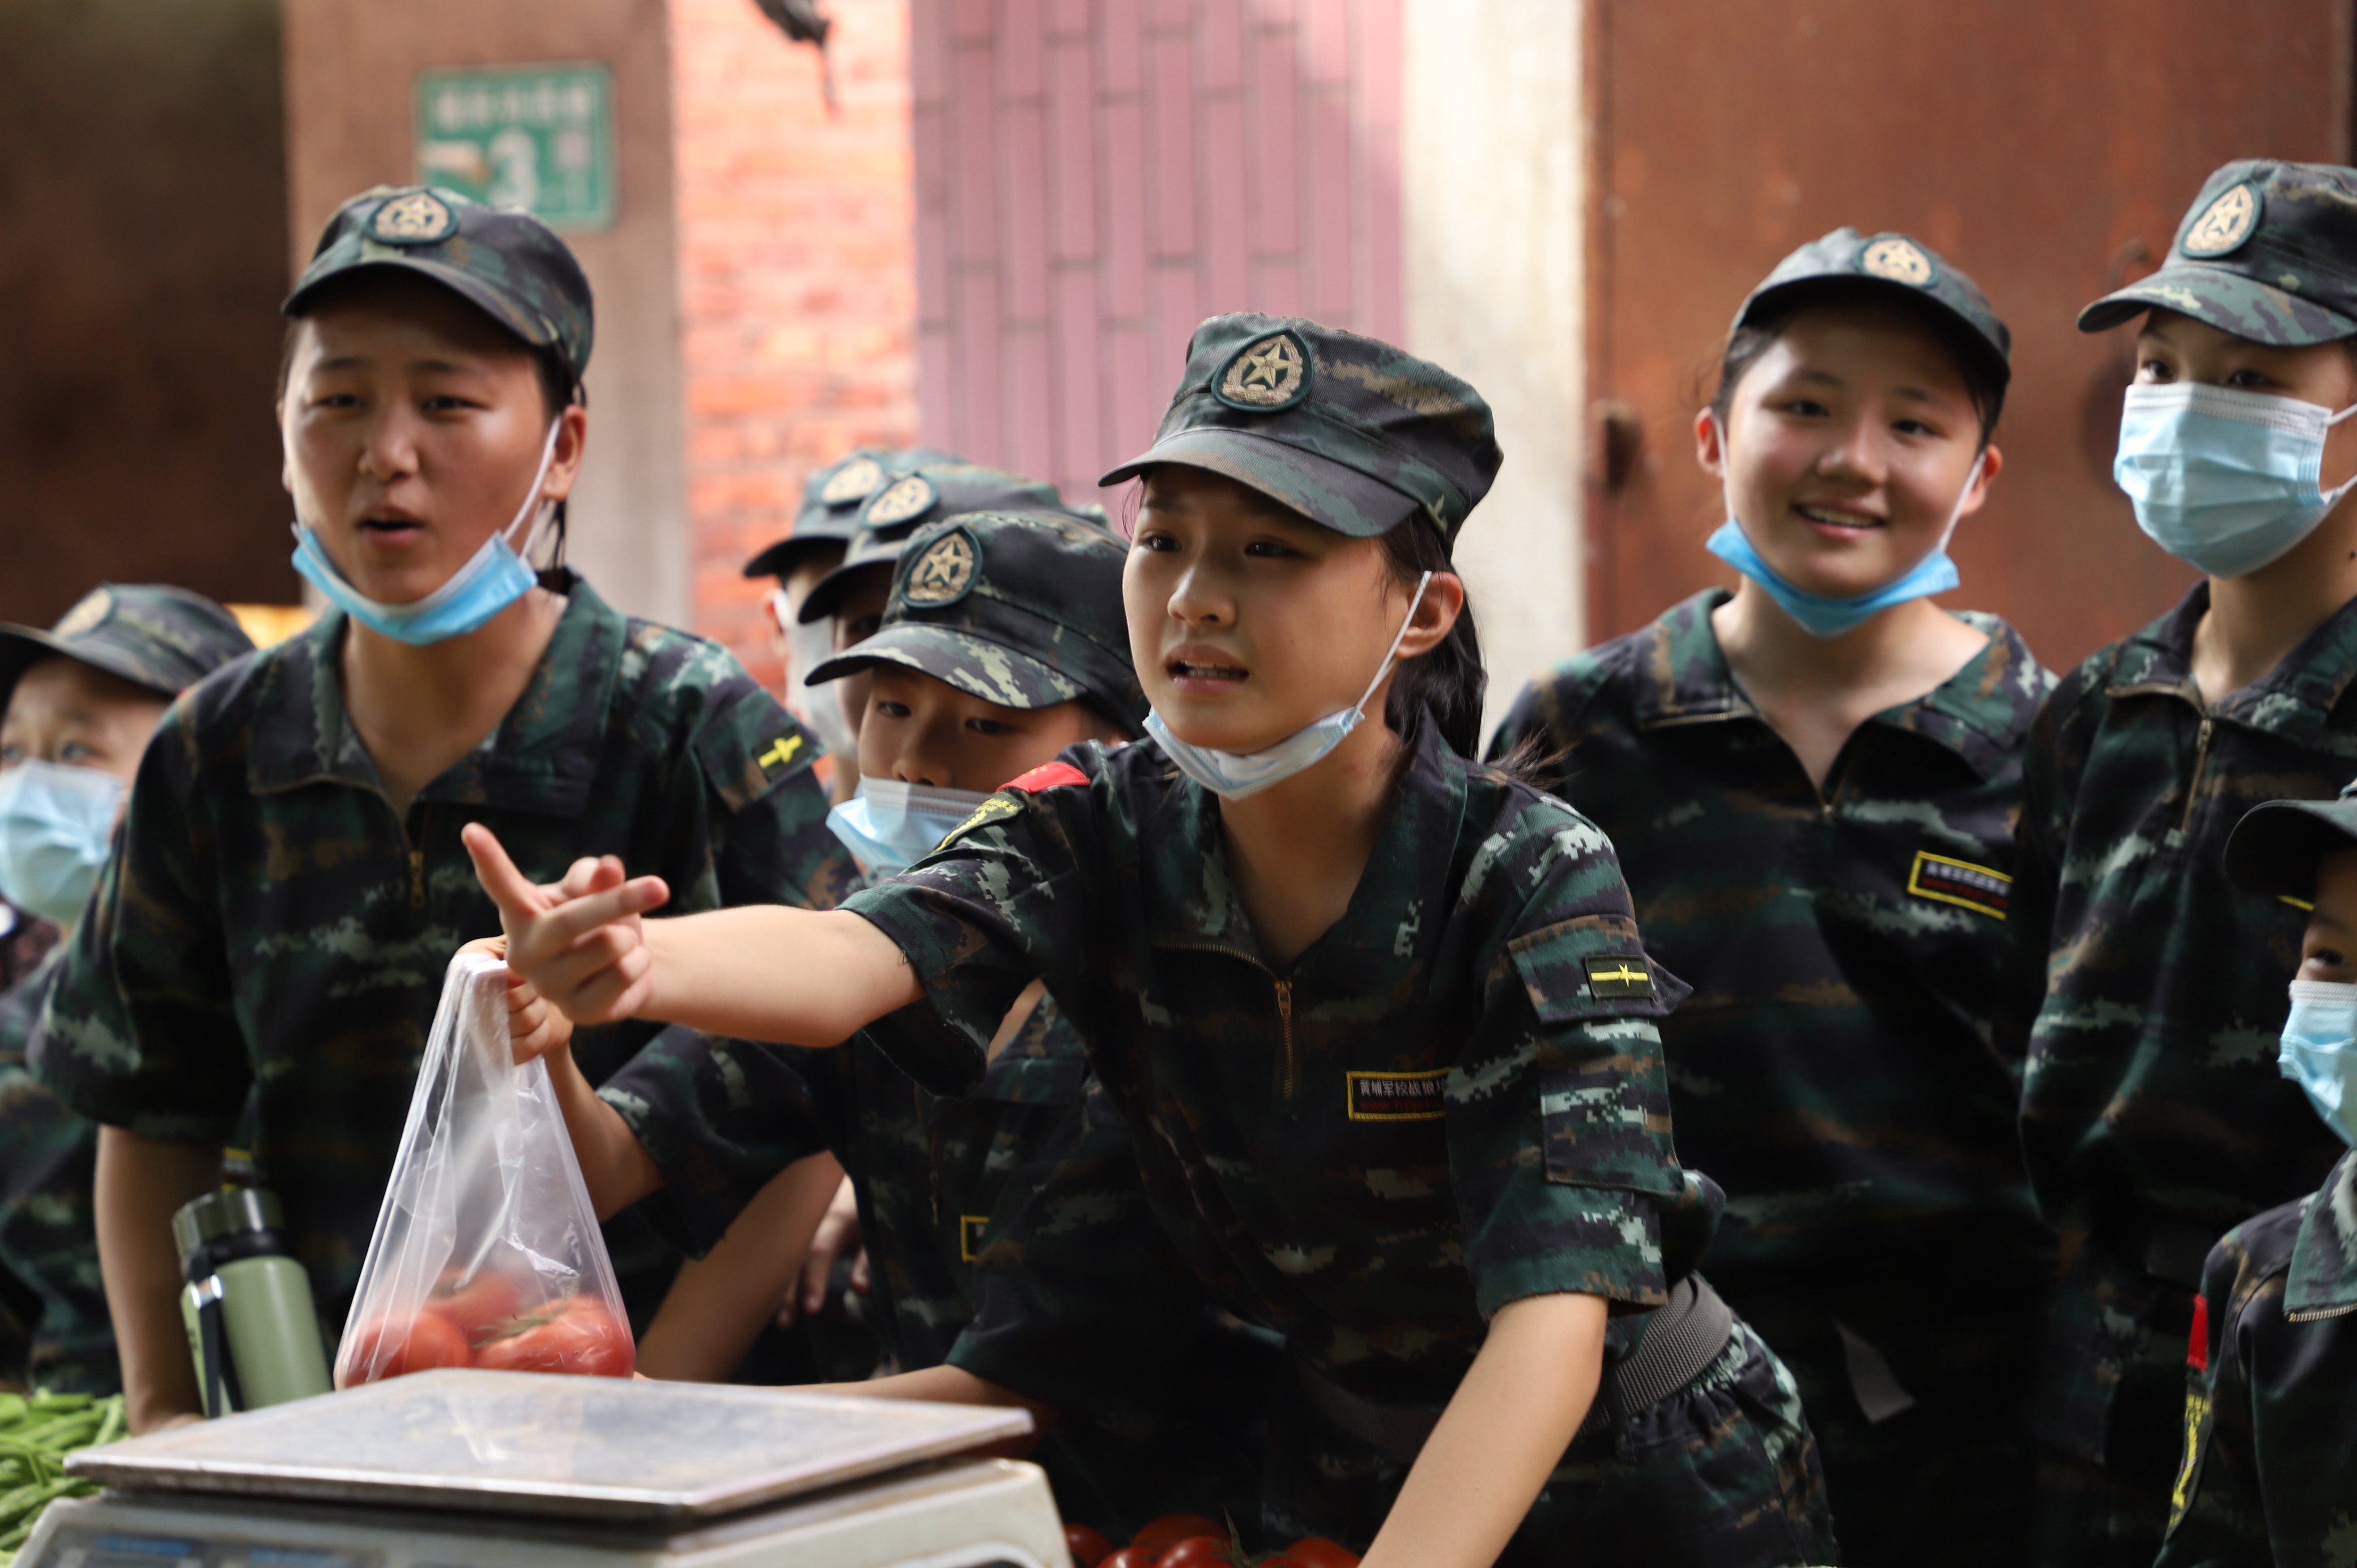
[
  {"x": 782, "y": 751},
  {"x": 1618, "y": 976}
]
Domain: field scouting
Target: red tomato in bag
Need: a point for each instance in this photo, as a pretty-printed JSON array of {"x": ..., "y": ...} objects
[
  {"x": 1131, "y": 1557},
  {"x": 1317, "y": 1551},
  {"x": 479, "y": 1308},
  {"x": 391, "y": 1348},
  {"x": 1198, "y": 1551},
  {"x": 1161, "y": 1535},
  {"x": 583, "y": 1339},
  {"x": 1089, "y": 1547}
]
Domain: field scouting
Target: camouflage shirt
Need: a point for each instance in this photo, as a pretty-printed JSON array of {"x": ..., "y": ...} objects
[
  {"x": 721, "y": 1118},
  {"x": 1452, "y": 1099},
  {"x": 270, "y": 921},
  {"x": 48, "y": 1242},
  {"x": 2270, "y": 1472},
  {"x": 2151, "y": 1105},
  {"x": 1838, "y": 1069}
]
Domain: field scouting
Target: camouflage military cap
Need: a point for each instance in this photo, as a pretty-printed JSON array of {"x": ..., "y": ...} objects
[
  {"x": 509, "y": 264},
  {"x": 832, "y": 498},
  {"x": 2276, "y": 848},
  {"x": 1885, "y": 263},
  {"x": 161, "y": 637},
  {"x": 2268, "y": 251},
  {"x": 1349, "y": 432},
  {"x": 927, "y": 492},
  {"x": 1019, "y": 609}
]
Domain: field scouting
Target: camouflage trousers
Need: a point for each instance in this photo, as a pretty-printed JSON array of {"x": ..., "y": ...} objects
[{"x": 1723, "y": 1474}]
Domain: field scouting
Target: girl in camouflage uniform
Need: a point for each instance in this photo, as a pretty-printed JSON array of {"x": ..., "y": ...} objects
[
  {"x": 1376, "y": 1033},
  {"x": 1812, "y": 782}
]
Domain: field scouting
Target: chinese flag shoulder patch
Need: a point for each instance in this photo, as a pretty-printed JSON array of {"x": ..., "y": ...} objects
[
  {"x": 1049, "y": 776},
  {"x": 2197, "y": 1351}
]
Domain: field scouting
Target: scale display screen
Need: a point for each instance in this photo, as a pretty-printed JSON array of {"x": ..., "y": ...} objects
[{"x": 107, "y": 1549}]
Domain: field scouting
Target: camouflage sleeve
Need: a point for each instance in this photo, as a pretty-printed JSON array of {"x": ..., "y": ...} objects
[
  {"x": 140, "y": 1030},
  {"x": 1558, "y": 1105},
  {"x": 1544, "y": 721},
  {"x": 48, "y": 1239},
  {"x": 1080, "y": 1293},
  {"x": 771, "y": 843},
  {"x": 2217, "y": 1516},
  {"x": 1004, "y": 900},
  {"x": 720, "y": 1118}
]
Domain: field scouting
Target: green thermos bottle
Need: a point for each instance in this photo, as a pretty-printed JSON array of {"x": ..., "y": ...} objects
[{"x": 251, "y": 1327}]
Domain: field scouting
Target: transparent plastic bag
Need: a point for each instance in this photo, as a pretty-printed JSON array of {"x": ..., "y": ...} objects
[{"x": 486, "y": 1251}]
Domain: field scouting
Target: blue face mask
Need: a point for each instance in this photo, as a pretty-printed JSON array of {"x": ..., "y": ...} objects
[
  {"x": 890, "y": 825},
  {"x": 1823, "y": 617},
  {"x": 2225, "y": 480},
  {"x": 2320, "y": 1051},
  {"x": 56, "y": 822},
  {"x": 494, "y": 577},
  {"x": 1231, "y": 776}
]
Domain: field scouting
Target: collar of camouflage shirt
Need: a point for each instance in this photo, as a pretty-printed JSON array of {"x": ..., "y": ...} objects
[
  {"x": 543, "y": 758},
  {"x": 1980, "y": 713},
  {"x": 2323, "y": 1279},
  {"x": 2293, "y": 700},
  {"x": 1392, "y": 913}
]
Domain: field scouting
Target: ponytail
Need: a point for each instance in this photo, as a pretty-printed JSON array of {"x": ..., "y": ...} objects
[{"x": 1448, "y": 680}]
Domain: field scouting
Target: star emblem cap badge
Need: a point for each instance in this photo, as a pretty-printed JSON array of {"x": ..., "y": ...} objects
[
  {"x": 944, "y": 572},
  {"x": 2223, "y": 225},
  {"x": 420, "y": 218},
  {"x": 1266, "y": 375},
  {"x": 855, "y": 481},
  {"x": 1895, "y": 259}
]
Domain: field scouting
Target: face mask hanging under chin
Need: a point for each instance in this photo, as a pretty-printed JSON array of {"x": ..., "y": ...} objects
[
  {"x": 890, "y": 825},
  {"x": 1232, "y": 776},
  {"x": 1825, "y": 617},
  {"x": 494, "y": 577},
  {"x": 2224, "y": 480}
]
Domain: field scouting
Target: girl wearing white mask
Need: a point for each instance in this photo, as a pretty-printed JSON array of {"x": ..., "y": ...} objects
[
  {"x": 2153, "y": 1116},
  {"x": 289, "y": 882},
  {"x": 1812, "y": 783},
  {"x": 77, "y": 703},
  {"x": 1374, "y": 1027}
]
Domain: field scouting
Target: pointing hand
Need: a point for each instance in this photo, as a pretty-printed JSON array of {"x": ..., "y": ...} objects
[{"x": 579, "y": 943}]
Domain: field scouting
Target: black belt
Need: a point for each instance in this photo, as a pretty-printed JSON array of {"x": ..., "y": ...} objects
[{"x": 1679, "y": 1342}]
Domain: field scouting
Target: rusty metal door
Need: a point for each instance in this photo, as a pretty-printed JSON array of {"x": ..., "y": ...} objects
[{"x": 2047, "y": 149}]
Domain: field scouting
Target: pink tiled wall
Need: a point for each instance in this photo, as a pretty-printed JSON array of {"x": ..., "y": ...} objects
[
  {"x": 796, "y": 277},
  {"x": 1096, "y": 177}
]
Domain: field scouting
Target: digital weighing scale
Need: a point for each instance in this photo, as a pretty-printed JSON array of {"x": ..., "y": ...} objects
[{"x": 472, "y": 1469}]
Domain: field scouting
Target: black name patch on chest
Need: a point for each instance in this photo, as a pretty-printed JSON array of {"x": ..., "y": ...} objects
[
  {"x": 1959, "y": 882},
  {"x": 1397, "y": 1096},
  {"x": 1618, "y": 976}
]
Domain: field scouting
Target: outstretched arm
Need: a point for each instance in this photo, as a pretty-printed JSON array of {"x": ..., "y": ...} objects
[
  {"x": 793, "y": 976},
  {"x": 1505, "y": 1431}
]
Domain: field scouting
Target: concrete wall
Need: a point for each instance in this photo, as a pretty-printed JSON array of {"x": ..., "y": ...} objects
[
  {"x": 1494, "y": 190},
  {"x": 351, "y": 69},
  {"x": 798, "y": 277},
  {"x": 142, "y": 220}
]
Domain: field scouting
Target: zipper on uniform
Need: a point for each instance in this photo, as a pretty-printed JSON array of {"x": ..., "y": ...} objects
[
  {"x": 417, "y": 863},
  {"x": 2193, "y": 788},
  {"x": 1284, "y": 1019}
]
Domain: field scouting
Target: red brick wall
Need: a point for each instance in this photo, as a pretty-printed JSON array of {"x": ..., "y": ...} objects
[
  {"x": 796, "y": 277},
  {"x": 1094, "y": 177}
]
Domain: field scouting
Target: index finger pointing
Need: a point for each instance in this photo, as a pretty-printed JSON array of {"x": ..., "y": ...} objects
[{"x": 510, "y": 888}]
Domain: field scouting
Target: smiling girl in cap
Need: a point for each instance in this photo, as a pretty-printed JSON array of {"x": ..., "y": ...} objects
[
  {"x": 2152, "y": 1115},
  {"x": 1373, "y": 1022},
  {"x": 288, "y": 887},
  {"x": 1812, "y": 784}
]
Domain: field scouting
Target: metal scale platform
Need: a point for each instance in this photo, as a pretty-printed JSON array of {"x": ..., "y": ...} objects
[{"x": 474, "y": 1469}]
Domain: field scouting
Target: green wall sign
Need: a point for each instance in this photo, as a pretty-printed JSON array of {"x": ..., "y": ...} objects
[{"x": 539, "y": 137}]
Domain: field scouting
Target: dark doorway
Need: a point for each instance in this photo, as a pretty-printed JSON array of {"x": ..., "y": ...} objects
[{"x": 142, "y": 254}]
